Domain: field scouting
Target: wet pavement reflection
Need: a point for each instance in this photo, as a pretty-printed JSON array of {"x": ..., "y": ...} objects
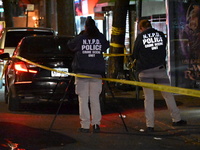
[
  {"x": 28, "y": 129},
  {"x": 15, "y": 136}
]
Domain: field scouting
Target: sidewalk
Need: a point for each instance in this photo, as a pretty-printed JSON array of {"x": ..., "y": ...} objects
[
  {"x": 115, "y": 136},
  {"x": 31, "y": 130}
]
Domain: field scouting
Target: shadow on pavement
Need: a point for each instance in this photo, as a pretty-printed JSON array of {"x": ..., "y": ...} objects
[
  {"x": 124, "y": 104},
  {"x": 28, "y": 138},
  {"x": 111, "y": 105},
  {"x": 51, "y": 107}
]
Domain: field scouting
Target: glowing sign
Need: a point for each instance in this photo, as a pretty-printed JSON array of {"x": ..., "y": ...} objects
[{"x": 1, "y": 10}]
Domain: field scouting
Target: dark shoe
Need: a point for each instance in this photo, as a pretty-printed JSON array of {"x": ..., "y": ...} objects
[
  {"x": 180, "y": 123},
  {"x": 96, "y": 128},
  {"x": 83, "y": 130},
  {"x": 149, "y": 129}
]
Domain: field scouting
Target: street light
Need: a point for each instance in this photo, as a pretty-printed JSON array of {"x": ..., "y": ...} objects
[{"x": 36, "y": 21}]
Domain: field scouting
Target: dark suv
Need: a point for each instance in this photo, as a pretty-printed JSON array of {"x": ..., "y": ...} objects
[
  {"x": 27, "y": 82},
  {"x": 10, "y": 37}
]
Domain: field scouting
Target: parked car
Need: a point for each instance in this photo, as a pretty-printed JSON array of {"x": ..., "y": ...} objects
[
  {"x": 10, "y": 37},
  {"x": 25, "y": 82}
]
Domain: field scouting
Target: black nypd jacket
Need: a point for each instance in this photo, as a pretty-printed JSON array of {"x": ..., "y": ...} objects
[
  {"x": 149, "y": 49},
  {"x": 88, "y": 54}
]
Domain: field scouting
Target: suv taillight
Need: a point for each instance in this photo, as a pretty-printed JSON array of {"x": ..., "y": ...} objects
[
  {"x": 21, "y": 67},
  {"x": 1, "y": 51}
]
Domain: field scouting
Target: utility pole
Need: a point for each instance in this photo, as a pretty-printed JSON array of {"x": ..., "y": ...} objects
[
  {"x": 139, "y": 9},
  {"x": 66, "y": 17},
  {"x": 48, "y": 14},
  {"x": 7, "y": 5},
  {"x": 116, "y": 64}
]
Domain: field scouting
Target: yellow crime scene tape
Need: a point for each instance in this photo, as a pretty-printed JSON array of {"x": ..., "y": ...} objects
[
  {"x": 115, "y": 55},
  {"x": 118, "y": 31},
  {"x": 116, "y": 45},
  {"x": 158, "y": 87}
]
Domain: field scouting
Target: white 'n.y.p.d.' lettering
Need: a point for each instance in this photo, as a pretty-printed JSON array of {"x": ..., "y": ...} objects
[{"x": 91, "y": 41}]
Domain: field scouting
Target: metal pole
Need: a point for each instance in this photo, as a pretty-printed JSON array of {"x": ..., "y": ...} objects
[
  {"x": 139, "y": 9},
  {"x": 27, "y": 18},
  {"x": 61, "y": 102},
  {"x": 117, "y": 108}
]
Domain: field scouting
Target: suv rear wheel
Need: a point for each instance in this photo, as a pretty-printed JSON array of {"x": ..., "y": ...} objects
[
  {"x": 6, "y": 94},
  {"x": 13, "y": 103}
]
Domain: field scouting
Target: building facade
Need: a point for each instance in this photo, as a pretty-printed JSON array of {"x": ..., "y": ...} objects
[{"x": 178, "y": 19}]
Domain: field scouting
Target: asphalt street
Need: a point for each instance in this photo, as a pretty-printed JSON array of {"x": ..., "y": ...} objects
[{"x": 32, "y": 128}]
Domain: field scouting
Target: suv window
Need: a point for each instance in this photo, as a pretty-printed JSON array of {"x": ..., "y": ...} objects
[
  {"x": 13, "y": 37},
  {"x": 45, "y": 47}
]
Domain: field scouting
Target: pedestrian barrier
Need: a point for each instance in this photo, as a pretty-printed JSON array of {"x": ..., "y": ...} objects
[{"x": 158, "y": 87}]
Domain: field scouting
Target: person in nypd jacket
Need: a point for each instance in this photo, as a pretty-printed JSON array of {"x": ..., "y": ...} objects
[
  {"x": 89, "y": 47},
  {"x": 150, "y": 54}
]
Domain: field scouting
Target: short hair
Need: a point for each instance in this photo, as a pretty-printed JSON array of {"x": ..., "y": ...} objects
[{"x": 144, "y": 23}]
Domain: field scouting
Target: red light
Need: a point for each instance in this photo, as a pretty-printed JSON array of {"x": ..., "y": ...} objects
[
  {"x": 32, "y": 71},
  {"x": 21, "y": 67},
  {"x": 1, "y": 51},
  {"x": 30, "y": 29}
]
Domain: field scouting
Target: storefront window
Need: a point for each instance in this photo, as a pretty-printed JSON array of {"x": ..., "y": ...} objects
[{"x": 184, "y": 31}]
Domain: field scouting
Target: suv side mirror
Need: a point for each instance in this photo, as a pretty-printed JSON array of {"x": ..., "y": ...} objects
[{"x": 5, "y": 56}]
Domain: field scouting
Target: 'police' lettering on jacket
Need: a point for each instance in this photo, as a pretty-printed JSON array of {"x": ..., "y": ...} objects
[{"x": 152, "y": 40}]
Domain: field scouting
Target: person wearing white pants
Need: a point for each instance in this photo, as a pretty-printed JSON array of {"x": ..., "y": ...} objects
[
  {"x": 150, "y": 55},
  {"x": 157, "y": 75},
  {"x": 88, "y": 91},
  {"x": 89, "y": 47}
]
